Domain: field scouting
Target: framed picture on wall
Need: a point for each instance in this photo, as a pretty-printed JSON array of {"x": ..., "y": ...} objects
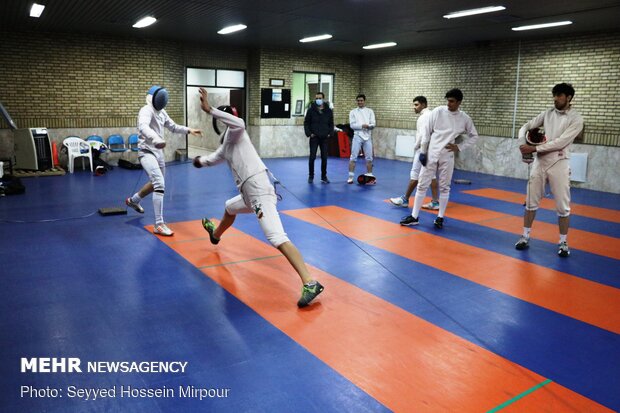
[
  {"x": 276, "y": 82},
  {"x": 299, "y": 107}
]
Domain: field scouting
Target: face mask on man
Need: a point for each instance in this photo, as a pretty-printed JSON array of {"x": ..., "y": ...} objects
[{"x": 319, "y": 102}]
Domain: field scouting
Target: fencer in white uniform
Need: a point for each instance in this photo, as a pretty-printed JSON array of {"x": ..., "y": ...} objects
[
  {"x": 257, "y": 194},
  {"x": 362, "y": 121},
  {"x": 438, "y": 146},
  {"x": 419, "y": 107},
  {"x": 152, "y": 119},
  {"x": 562, "y": 124}
]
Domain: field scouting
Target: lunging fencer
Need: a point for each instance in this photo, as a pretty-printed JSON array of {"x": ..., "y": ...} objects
[
  {"x": 445, "y": 124},
  {"x": 257, "y": 193},
  {"x": 562, "y": 124},
  {"x": 152, "y": 119}
]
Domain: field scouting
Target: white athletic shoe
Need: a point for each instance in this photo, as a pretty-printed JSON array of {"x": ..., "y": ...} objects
[
  {"x": 350, "y": 180},
  {"x": 431, "y": 205},
  {"x": 136, "y": 206},
  {"x": 162, "y": 229},
  {"x": 400, "y": 201}
]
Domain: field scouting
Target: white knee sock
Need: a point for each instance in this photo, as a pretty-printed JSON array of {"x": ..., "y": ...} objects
[
  {"x": 417, "y": 203},
  {"x": 158, "y": 207},
  {"x": 136, "y": 198},
  {"x": 443, "y": 204}
]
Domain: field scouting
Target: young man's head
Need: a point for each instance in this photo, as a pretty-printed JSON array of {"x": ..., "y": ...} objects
[
  {"x": 454, "y": 97},
  {"x": 319, "y": 98},
  {"x": 361, "y": 100},
  {"x": 419, "y": 104},
  {"x": 562, "y": 95},
  {"x": 217, "y": 123}
]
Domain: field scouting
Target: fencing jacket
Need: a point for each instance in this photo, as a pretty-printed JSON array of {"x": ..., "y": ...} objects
[
  {"x": 359, "y": 117},
  {"x": 236, "y": 149},
  {"x": 151, "y": 125},
  {"x": 561, "y": 129},
  {"x": 419, "y": 126},
  {"x": 443, "y": 127}
]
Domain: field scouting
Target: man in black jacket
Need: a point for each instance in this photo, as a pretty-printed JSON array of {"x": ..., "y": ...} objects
[{"x": 318, "y": 125}]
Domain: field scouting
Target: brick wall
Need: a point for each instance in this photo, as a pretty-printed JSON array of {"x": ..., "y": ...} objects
[
  {"x": 81, "y": 81},
  {"x": 76, "y": 81},
  {"x": 487, "y": 74},
  {"x": 280, "y": 64}
]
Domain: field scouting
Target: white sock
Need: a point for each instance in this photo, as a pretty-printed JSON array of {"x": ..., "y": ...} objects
[
  {"x": 417, "y": 203},
  {"x": 526, "y": 232},
  {"x": 158, "y": 207},
  {"x": 443, "y": 204},
  {"x": 350, "y": 174},
  {"x": 136, "y": 198},
  {"x": 563, "y": 238}
]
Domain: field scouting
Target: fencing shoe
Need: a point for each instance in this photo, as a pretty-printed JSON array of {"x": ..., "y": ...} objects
[
  {"x": 409, "y": 221},
  {"x": 563, "y": 250},
  {"x": 162, "y": 229},
  {"x": 400, "y": 201},
  {"x": 135, "y": 205},
  {"x": 210, "y": 228},
  {"x": 438, "y": 222},
  {"x": 309, "y": 292},
  {"x": 523, "y": 243}
]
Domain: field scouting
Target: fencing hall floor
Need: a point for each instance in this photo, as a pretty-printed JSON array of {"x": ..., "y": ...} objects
[{"x": 412, "y": 319}]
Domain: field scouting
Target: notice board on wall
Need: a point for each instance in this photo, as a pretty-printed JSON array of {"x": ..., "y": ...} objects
[{"x": 275, "y": 103}]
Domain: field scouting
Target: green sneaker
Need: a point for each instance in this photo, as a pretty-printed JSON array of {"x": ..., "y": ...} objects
[
  {"x": 210, "y": 227},
  {"x": 309, "y": 293}
]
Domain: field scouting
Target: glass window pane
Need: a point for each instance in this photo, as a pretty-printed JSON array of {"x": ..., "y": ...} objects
[
  {"x": 230, "y": 78},
  {"x": 327, "y": 87},
  {"x": 297, "y": 95},
  {"x": 200, "y": 77}
]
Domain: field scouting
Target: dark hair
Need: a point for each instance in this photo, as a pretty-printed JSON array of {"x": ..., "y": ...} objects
[
  {"x": 227, "y": 109},
  {"x": 455, "y": 93},
  {"x": 420, "y": 99},
  {"x": 563, "y": 88},
  {"x": 361, "y": 95},
  {"x": 320, "y": 93}
]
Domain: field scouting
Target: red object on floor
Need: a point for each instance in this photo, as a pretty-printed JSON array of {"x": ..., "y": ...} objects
[
  {"x": 55, "y": 154},
  {"x": 344, "y": 146}
]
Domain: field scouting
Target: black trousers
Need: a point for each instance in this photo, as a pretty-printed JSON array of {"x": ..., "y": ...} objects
[{"x": 315, "y": 143}]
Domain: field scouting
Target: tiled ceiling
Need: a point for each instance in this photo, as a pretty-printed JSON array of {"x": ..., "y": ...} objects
[{"x": 412, "y": 24}]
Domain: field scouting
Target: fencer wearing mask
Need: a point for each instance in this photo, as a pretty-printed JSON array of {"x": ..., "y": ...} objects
[
  {"x": 152, "y": 119},
  {"x": 256, "y": 192}
]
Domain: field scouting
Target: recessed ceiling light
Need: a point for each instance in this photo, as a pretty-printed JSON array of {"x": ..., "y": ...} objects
[
  {"x": 36, "y": 10},
  {"x": 471, "y": 12},
  {"x": 379, "y": 45},
  {"x": 232, "y": 29},
  {"x": 316, "y": 38},
  {"x": 147, "y": 21},
  {"x": 541, "y": 26}
]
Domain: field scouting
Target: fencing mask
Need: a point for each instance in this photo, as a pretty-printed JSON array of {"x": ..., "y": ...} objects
[
  {"x": 228, "y": 109},
  {"x": 365, "y": 179},
  {"x": 160, "y": 97},
  {"x": 534, "y": 137}
]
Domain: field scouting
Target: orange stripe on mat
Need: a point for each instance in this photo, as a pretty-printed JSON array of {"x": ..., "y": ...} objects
[
  {"x": 575, "y": 297},
  {"x": 603, "y": 214},
  {"x": 579, "y": 239},
  {"x": 406, "y": 363}
]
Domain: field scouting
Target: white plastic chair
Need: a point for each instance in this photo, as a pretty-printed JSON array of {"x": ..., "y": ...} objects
[{"x": 78, "y": 148}]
